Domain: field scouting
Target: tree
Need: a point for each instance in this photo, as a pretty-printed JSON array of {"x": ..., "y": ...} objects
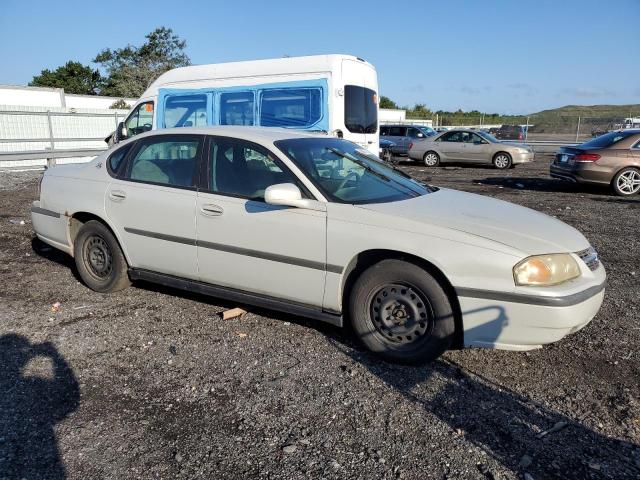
[
  {"x": 120, "y": 104},
  {"x": 74, "y": 77},
  {"x": 130, "y": 70},
  {"x": 386, "y": 102}
]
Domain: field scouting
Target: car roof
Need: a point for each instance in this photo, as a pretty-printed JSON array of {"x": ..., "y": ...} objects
[{"x": 265, "y": 134}]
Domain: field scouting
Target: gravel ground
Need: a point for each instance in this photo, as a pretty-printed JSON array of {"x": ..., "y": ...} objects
[{"x": 149, "y": 383}]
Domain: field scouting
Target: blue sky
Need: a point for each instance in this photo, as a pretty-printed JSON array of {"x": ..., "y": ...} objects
[{"x": 493, "y": 56}]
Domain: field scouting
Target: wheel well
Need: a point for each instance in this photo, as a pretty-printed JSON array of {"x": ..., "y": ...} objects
[
  {"x": 78, "y": 219},
  {"x": 623, "y": 168},
  {"x": 365, "y": 259},
  {"x": 502, "y": 151}
]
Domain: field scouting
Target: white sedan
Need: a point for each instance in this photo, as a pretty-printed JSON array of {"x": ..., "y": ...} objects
[{"x": 317, "y": 226}]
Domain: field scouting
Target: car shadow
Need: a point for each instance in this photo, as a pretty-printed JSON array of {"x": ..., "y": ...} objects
[
  {"x": 30, "y": 407},
  {"x": 542, "y": 185},
  {"x": 54, "y": 255},
  {"x": 505, "y": 424}
]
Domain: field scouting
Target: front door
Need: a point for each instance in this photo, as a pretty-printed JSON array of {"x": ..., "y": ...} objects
[
  {"x": 476, "y": 149},
  {"x": 152, "y": 204},
  {"x": 247, "y": 244}
]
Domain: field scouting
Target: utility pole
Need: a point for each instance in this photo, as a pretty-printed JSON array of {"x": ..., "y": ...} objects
[{"x": 578, "y": 130}]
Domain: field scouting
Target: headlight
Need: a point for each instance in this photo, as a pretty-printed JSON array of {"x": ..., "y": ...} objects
[{"x": 546, "y": 269}]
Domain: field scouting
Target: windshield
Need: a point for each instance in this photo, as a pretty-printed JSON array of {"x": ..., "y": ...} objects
[
  {"x": 347, "y": 173},
  {"x": 488, "y": 136},
  {"x": 360, "y": 109},
  {"x": 428, "y": 131},
  {"x": 606, "y": 140}
]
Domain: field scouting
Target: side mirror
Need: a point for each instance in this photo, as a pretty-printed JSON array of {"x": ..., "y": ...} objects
[
  {"x": 478, "y": 142},
  {"x": 121, "y": 132},
  {"x": 289, "y": 195},
  {"x": 420, "y": 135}
]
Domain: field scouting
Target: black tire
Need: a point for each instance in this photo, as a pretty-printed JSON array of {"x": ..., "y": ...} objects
[
  {"x": 624, "y": 182},
  {"x": 99, "y": 258},
  {"x": 425, "y": 330},
  {"x": 431, "y": 159},
  {"x": 502, "y": 161}
]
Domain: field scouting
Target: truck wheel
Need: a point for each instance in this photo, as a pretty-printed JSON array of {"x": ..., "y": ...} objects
[
  {"x": 401, "y": 312},
  {"x": 99, "y": 258}
]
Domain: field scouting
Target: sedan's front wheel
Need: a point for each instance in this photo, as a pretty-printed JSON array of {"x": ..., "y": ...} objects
[
  {"x": 502, "y": 161},
  {"x": 431, "y": 159},
  {"x": 401, "y": 312},
  {"x": 99, "y": 259}
]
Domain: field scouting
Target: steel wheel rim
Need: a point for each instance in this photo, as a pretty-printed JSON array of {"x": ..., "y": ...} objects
[
  {"x": 629, "y": 182},
  {"x": 502, "y": 161},
  {"x": 401, "y": 313},
  {"x": 97, "y": 257},
  {"x": 431, "y": 159}
]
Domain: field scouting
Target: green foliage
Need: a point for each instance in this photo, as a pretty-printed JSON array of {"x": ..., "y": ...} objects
[
  {"x": 120, "y": 104},
  {"x": 74, "y": 77},
  {"x": 386, "y": 102},
  {"x": 131, "y": 69}
]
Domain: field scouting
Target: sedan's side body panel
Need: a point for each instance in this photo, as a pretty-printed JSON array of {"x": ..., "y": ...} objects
[
  {"x": 261, "y": 248},
  {"x": 157, "y": 224}
]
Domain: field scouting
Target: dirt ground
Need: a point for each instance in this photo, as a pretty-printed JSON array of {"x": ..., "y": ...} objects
[{"x": 149, "y": 383}]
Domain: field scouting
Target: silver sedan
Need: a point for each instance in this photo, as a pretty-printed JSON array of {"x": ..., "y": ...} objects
[{"x": 469, "y": 146}]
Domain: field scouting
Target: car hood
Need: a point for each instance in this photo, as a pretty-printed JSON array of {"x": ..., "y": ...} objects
[{"x": 521, "y": 228}]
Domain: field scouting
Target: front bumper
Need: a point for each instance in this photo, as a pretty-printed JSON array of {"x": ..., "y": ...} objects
[
  {"x": 526, "y": 322},
  {"x": 522, "y": 157}
]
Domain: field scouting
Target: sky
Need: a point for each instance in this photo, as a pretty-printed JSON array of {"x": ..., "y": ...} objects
[{"x": 512, "y": 57}]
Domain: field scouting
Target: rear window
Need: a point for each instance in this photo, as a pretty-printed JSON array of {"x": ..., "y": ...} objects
[
  {"x": 360, "y": 109},
  {"x": 606, "y": 140},
  {"x": 291, "y": 107}
]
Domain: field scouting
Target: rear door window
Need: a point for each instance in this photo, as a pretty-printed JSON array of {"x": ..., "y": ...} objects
[
  {"x": 452, "y": 137},
  {"x": 398, "y": 131},
  {"x": 185, "y": 111},
  {"x": 237, "y": 108},
  {"x": 291, "y": 107},
  {"x": 166, "y": 160}
]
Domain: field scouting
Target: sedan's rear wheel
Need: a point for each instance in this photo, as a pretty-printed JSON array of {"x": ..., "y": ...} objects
[
  {"x": 431, "y": 159},
  {"x": 99, "y": 258},
  {"x": 626, "y": 182},
  {"x": 502, "y": 161},
  {"x": 401, "y": 312}
]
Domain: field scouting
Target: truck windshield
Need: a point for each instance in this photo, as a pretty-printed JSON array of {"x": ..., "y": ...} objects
[
  {"x": 347, "y": 173},
  {"x": 360, "y": 109}
]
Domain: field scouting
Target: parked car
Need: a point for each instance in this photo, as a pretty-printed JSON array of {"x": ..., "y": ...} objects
[
  {"x": 469, "y": 146},
  {"x": 317, "y": 226},
  {"x": 612, "y": 159},
  {"x": 403, "y": 135},
  {"x": 508, "y": 132},
  {"x": 386, "y": 150}
]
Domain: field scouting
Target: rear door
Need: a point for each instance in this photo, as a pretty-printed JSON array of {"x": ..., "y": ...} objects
[
  {"x": 451, "y": 146},
  {"x": 151, "y": 204},
  {"x": 398, "y": 135}
]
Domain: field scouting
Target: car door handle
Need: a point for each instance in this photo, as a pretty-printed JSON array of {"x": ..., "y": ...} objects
[
  {"x": 211, "y": 210},
  {"x": 117, "y": 195}
]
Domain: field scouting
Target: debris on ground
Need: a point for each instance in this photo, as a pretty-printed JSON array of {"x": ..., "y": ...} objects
[
  {"x": 16, "y": 221},
  {"x": 557, "y": 427},
  {"x": 55, "y": 308},
  {"x": 232, "y": 313}
]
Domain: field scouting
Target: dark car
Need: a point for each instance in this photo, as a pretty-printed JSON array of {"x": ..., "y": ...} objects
[
  {"x": 508, "y": 132},
  {"x": 611, "y": 159},
  {"x": 386, "y": 150},
  {"x": 403, "y": 135}
]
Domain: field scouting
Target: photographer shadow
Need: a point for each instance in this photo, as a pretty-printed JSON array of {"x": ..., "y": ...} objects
[{"x": 30, "y": 407}]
